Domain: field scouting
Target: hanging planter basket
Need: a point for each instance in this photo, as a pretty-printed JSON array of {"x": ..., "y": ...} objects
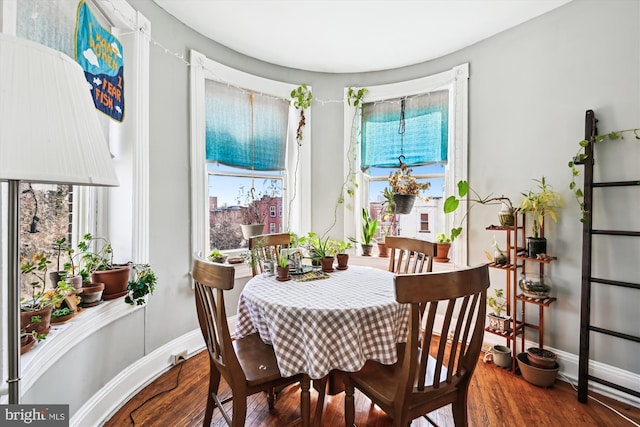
[{"x": 404, "y": 203}]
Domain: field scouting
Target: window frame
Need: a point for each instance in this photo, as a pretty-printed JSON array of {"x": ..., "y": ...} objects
[
  {"x": 298, "y": 159},
  {"x": 456, "y": 81}
]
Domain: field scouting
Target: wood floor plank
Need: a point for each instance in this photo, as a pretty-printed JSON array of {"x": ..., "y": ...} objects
[{"x": 496, "y": 398}]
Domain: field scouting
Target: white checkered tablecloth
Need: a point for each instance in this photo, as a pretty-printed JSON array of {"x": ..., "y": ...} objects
[{"x": 320, "y": 325}]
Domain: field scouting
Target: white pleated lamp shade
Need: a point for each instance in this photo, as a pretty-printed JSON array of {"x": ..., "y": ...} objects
[{"x": 49, "y": 128}]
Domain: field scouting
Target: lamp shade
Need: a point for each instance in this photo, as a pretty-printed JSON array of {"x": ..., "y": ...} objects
[{"x": 49, "y": 128}]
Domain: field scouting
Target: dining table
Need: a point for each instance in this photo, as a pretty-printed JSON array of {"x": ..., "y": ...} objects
[{"x": 320, "y": 323}]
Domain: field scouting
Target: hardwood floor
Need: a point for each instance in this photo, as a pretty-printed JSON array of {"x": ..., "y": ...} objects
[{"x": 497, "y": 398}]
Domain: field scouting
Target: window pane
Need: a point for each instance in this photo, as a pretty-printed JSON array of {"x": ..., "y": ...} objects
[{"x": 230, "y": 197}]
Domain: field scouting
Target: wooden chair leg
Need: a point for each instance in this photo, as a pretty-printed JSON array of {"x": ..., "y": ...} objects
[
  {"x": 239, "y": 411},
  {"x": 214, "y": 383},
  {"x": 271, "y": 398}
]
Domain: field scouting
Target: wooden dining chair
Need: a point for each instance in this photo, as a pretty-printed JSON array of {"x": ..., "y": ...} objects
[
  {"x": 410, "y": 255},
  {"x": 247, "y": 364},
  {"x": 430, "y": 373},
  {"x": 266, "y": 247}
]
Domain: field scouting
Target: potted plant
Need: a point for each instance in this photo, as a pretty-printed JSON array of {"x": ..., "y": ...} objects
[
  {"x": 498, "y": 304},
  {"x": 451, "y": 203},
  {"x": 326, "y": 250},
  {"x": 254, "y": 207},
  {"x": 539, "y": 204},
  {"x": 282, "y": 257},
  {"x": 216, "y": 256},
  {"x": 405, "y": 188},
  {"x": 387, "y": 221},
  {"x": 443, "y": 245},
  {"x": 59, "y": 246},
  {"x": 369, "y": 229},
  {"x": 66, "y": 307},
  {"x": 35, "y": 312},
  {"x": 342, "y": 256},
  {"x": 96, "y": 254},
  {"x": 142, "y": 283}
]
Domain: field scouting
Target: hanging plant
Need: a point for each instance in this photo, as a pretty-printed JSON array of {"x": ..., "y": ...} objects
[
  {"x": 581, "y": 156},
  {"x": 354, "y": 99},
  {"x": 302, "y": 98}
]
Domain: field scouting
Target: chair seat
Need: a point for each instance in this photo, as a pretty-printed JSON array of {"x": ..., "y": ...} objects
[
  {"x": 257, "y": 359},
  {"x": 381, "y": 380}
]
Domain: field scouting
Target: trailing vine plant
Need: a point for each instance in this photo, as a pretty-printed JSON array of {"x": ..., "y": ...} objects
[
  {"x": 302, "y": 98},
  {"x": 349, "y": 186},
  {"x": 581, "y": 156}
]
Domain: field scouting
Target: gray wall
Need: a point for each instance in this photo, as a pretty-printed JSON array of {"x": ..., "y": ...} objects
[{"x": 529, "y": 89}]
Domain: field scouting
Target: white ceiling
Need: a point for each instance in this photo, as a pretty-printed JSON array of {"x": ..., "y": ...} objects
[{"x": 352, "y": 35}]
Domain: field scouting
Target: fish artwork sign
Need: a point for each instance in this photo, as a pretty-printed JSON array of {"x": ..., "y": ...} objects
[{"x": 99, "y": 54}]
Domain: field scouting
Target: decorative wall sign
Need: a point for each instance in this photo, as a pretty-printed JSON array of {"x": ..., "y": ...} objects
[{"x": 100, "y": 55}]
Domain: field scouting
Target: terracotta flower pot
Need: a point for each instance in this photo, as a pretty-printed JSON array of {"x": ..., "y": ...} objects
[
  {"x": 327, "y": 263},
  {"x": 92, "y": 295},
  {"x": 382, "y": 250},
  {"x": 283, "y": 273},
  {"x": 38, "y": 320},
  {"x": 442, "y": 252},
  {"x": 343, "y": 260},
  {"x": 115, "y": 281}
]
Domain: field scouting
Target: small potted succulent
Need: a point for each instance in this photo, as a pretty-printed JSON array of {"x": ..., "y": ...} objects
[{"x": 216, "y": 256}]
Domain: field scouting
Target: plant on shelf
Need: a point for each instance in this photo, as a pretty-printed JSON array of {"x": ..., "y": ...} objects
[
  {"x": 37, "y": 267},
  {"x": 581, "y": 156},
  {"x": 143, "y": 282},
  {"x": 539, "y": 204},
  {"x": 406, "y": 188},
  {"x": 443, "y": 245},
  {"x": 498, "y": 304},
  {"x": 96, "y": 255},
  {"x": 36, "y": 311}
]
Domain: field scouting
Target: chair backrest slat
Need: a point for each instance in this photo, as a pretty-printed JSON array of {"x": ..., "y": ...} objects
[
  {"x": 266, "y": 247},
  {"x": 409, "y": 255}
]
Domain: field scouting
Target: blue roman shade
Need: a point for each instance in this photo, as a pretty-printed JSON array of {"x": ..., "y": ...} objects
[
  {"x": 243, "y": 129},
  {"x": 425, "y": 137}
]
